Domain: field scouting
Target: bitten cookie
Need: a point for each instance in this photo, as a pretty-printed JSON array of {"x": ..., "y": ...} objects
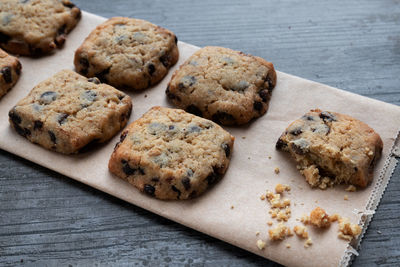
[
  {"x": 127, "y": 53},
  {"x": 332, "y": 148},
  {"x": 10, "y": 69},
  {"x": 35, "y": 27},
  {"x": 171, "y": 154},
  {"x": 68, "y": 111},
  {"x": 224, "y": 85}
]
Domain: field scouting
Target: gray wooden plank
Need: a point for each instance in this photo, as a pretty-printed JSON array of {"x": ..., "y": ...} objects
[{"x": 47, "y": 219}]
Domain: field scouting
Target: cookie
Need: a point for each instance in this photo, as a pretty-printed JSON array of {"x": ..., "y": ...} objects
[
  {"x": 127, "y": 53},
  {"x": 332, "y": 148},
  {"x": 67, "y": 112},
  {"x": 10, "y": 69},
  {"x": 171, "y": 154},
  {"x": 224, "y": 85},
  {"x": 35, "y": 27}
]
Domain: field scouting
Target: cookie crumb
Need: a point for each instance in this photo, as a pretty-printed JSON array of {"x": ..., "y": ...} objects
[
  {"x": 269, "y": 157},
  {"x": 262, "y": 197},
  {"x": 279, "y": 232},
  {"x": 276, "y": 170},
  {"x": 243, "y": 137},
  {"x": 351, "y": 188},
  {"x": 280, "y": 188},
  {"x": 319, "y": 218},
  {"x": 232, "y": 207},
  {"x": 288, "y": 245},
  {"x": 305, "y": 219},
  {"x": 145, "y": 95},
  {"x": 261, "y": 244},
  {"x": 348, "y": 230},
  {"x": 346, "y": 197},
  {"x": 257, "y": 233},
  {"x": 270, "y": 223},
  {"x": 301, "y": 231},
  {"x": 334, "y": 217},
  {"x": 308, "y": 243}
]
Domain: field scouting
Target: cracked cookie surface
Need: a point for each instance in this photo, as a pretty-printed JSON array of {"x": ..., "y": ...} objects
[
  {"x": 224, "y": 85},
  {"x": 171, "y": 154},
  {"x": 10, "y": 69},
  {"x": 68, "y": 111},
  {"x": 127, "y": 53},
  {"x": 332, "y": 148},
  {"x": 35, "y": 27}
]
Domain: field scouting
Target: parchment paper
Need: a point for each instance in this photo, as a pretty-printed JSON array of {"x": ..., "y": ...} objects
[{"x": 250, "y": 173}]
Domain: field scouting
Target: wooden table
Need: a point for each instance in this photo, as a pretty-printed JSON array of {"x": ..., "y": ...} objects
[{"x": 49, "y": 219}]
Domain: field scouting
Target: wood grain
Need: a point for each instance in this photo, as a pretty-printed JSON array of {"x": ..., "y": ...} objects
[{"x": 49, "y": 219}]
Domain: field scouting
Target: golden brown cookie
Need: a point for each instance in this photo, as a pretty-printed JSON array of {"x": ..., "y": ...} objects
[
  {"x": 35, "y": 27},
  {"x": 332, "y": 148},
  {"x": 127, "y": 53},
  {"x": 171, "y": 154},
  {"x": 67, "y": 111},
  {"x": 224, "y": 85}
]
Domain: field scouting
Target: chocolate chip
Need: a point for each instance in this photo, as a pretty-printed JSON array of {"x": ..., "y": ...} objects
[
  {"x": 7, "y": 75},
  {"x": 15, "y": 118},
  {"x": 37, "y": 125},
  {"x": 60, "y": 39},
  {"x": 156, "y": 128},
  {"x": 264, "y": 94},
  {"x": 212, "y": 178},
  {"x": 62, "y": 117},
  {"x": 89, "y": 96},
  {"x": 281, "y": 145},
  {"x": 194, "y": 129},
  {"x": 186, "y": 82},
  {"x": 155, "y": 179},
  {"x": 194, "y": 110},
  {"x": 47, "y": 97},
  {"x": 84, "y": 62},
  {"x": 240, "y": 87},
  {"x": 102, "y": 75},
  {"x": 171, "y": 127},
  {"x": 151, "y": 68},
  {"x": 171, "y": 95},
  {"x": 186, "y": 183},
  {"x": 193, "y": 194},
  {"x": 66, "y": 4},
  {"x": 19, "y": 67},
  {"x": 149, "y": 189},
  {"x": 296, "y": 131},
  {"x": 223, "y": 118},
  {"x": 326, "y": 116},
  {"x": 299, "y": 146},
  {"x": 258, "y": 105},
  {"x": 94, "y": 80},
  {"x": 176, "y": 190},
  {"x": 176, "y": 39},
  {"x": 308, "y": 118},
  {"x": 355, "y": 169},
  {"x": 121, "y": 139},
  {"x": 165, "y": 59},
  {"x": 52, "y": 137},
  {"x": 269, "y": 81},
  {"x": 227, "y": 149},
  {"x": 4, "y": 38},
  {"x": 128, "y": 170},
  {"x": 120, "y": 97}
]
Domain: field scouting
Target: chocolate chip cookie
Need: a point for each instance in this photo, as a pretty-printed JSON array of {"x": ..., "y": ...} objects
[
  {"x": 127, "y": 53},
  {"x": 171, "y": 154},
  {"x": 224, "y": 85},
  {"x": 332, "y": 148},
  {"x": 34, "y": 27},
  {"x": 10, "y": 69},
  {"x": 68, "y": 111}
]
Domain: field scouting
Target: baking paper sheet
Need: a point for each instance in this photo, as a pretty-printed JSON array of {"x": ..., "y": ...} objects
[{"x": 250, "y": 174}]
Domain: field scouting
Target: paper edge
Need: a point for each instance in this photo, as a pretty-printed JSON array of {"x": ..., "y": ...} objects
[{"x": 378, "y": 191}]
